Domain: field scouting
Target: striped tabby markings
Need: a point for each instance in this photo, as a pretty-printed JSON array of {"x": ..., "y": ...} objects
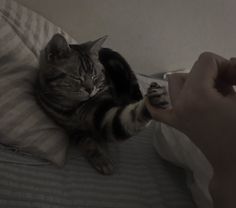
[{"x": 120, "y": 123}]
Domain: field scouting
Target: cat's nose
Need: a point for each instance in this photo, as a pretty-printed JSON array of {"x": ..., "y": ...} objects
[
  {"x": 88, "y": 85},
  {"x": 89, "y": 89}
]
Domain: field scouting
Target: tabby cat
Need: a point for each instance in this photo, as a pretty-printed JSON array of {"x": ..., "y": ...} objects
[{"x": 93, "y": 94}]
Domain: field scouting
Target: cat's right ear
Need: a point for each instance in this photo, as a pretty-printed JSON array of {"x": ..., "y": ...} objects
[
  {"x": 95, "y": 46},
  {"x": 57, "y": 48}
]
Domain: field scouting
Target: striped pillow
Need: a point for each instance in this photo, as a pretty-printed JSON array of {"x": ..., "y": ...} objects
[{"x": 22, "y": 122}]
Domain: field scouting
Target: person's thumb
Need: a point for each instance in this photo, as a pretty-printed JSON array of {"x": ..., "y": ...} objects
[{"x": 175, "y": 84}]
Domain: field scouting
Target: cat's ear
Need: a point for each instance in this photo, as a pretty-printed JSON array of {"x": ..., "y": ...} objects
[
  {"x": 95, "y": 46},
  {"x": 57, "y": 47}
]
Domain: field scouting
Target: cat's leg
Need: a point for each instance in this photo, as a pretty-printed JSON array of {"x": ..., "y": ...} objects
[
  {"x": 120, "y": 123},
  {"x": 121, "y": 78},
  {"x": 96, "y": 155}
]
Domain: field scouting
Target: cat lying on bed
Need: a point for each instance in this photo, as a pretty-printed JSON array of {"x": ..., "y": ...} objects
[{"x": 94, "y": 95}]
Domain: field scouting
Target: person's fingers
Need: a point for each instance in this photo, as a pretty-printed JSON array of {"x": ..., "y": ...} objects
[
  {"x": 208, "y": 74},
  {"x": 227, "y": 78},
  {"x": 206, "y": 69},
  {"x": 224, "y": 87},
  {"x": 175, "y": 84},
  {"x": 229, "y": 73}
]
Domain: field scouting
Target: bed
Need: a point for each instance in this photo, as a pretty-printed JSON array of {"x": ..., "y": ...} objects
[{"x": 142, "y": 179}]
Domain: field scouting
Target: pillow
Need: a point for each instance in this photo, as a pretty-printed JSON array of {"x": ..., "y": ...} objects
[{"x": 23, "y": 124}]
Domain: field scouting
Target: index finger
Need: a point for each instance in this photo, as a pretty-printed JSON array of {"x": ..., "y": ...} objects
[{"x": 206, "y": 70}]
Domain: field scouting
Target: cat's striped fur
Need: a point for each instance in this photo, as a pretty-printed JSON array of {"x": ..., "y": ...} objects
[{"x": 93, "y": 102}]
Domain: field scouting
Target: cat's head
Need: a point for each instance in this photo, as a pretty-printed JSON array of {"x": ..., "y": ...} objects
[{"x": 71, "y": 71}]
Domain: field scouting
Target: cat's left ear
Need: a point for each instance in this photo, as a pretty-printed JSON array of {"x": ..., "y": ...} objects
[
  {"x": 57, "y": 47},
  {"x": 96, "y": 45}
]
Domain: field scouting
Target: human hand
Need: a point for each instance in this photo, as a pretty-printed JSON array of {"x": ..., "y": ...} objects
[{"x": 204, "y": 108}]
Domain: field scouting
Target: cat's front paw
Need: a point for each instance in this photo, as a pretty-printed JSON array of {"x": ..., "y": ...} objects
[
  {"x": 157, "y": 95},
  {"x": 102, "y": 164}
]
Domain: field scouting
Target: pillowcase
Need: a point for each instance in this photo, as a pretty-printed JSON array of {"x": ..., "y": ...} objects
[
  {"x": 23, "y": 124},
  {"x": 177, "y": 148}
]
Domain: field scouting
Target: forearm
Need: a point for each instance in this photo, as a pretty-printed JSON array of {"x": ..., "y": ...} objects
[
  {"x": 223, "y": 189},
  {"x": 223, "y": 184}
]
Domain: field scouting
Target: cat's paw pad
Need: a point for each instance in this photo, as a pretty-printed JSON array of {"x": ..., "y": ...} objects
[
  {"x": 102, "y": 164},
  {"x": 157, "y": 95}
]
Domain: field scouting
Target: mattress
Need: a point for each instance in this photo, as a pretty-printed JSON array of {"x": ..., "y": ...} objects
[{"x": 141, "y": 179}]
